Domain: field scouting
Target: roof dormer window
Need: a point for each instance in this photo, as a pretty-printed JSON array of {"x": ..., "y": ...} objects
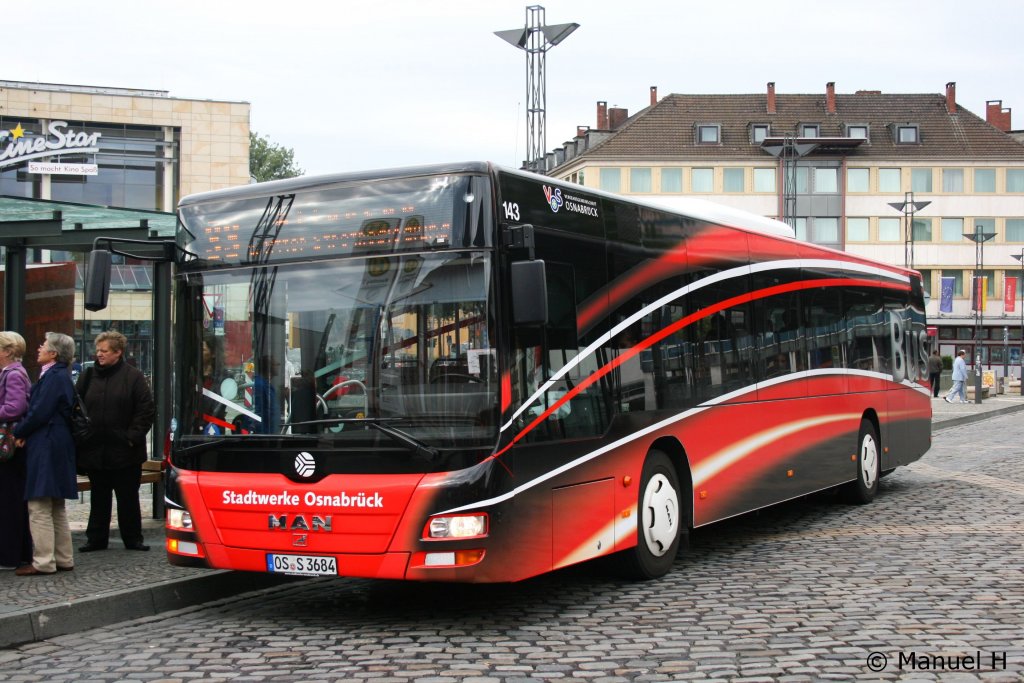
[
  {"x": 907, "y": 134},
  {"x": 810, "y": 130},
  {"x": 709, "y": 134},
  {"x": 758, "y": 132},
  {"x": 857, "y": 130}
]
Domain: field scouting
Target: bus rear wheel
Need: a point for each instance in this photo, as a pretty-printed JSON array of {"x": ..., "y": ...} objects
[
  {"x": 661, "y": 521},
  {"x": 863, "y": 489}
]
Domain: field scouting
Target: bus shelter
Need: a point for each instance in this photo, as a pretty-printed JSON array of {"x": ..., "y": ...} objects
[{"x": 36, "y": 224}]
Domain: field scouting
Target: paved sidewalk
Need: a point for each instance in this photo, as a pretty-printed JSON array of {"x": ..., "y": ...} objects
[{"x": 117, "y": 584}]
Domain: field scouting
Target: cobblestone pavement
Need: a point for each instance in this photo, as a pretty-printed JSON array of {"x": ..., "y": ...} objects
[{"x": 927, "y": 577}]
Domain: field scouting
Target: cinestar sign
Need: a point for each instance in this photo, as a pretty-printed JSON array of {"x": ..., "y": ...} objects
[{"x": 15, "y": 148}]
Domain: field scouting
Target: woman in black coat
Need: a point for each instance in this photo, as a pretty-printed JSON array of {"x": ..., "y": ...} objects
[
  {"x": 45, "y": 434},
  {"x": 120, "y": 405}
]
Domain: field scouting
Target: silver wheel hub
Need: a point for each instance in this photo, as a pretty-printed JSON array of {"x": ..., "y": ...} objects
[
  {"x": 868, "y": 461},
  {"x": 661, "y": 515}
]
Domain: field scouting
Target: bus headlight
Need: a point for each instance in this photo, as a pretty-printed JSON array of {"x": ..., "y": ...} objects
[
  {"x": 179, "y": 519},
  {"x": 457, "y": 526}
]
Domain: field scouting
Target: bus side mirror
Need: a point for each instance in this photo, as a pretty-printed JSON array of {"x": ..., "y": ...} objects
[
  {"x": 529, "y": 293},
  {"x": 97, "y": 280}
]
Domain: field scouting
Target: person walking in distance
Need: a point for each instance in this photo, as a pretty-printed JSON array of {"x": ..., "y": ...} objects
[
  {"x": 959, "y": 379},
  {"x": 934, "y": 371},
  {"x": 45, "y": 434},
  {"x": 120, "y": 404},
  {"x": 15, "y": 542}
]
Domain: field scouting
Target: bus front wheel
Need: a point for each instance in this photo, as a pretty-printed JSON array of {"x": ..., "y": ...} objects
[
  {"x": 863, "y": 489},
  {"x": 661, "y": 520}
]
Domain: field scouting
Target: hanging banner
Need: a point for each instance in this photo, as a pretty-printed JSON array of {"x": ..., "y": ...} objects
[
  {"x": 946, "y": 294},
  {"x": 979, "y": 293},
  {"x": 1010, "y": 294}
]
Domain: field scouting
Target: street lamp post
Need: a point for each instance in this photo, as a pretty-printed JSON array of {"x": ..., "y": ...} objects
[
  {"x": 908, "y": 207},
  {"x": 979, "y": 237},
  {"x": 1020, "y": 284},
  {"x": 536, "y": 38}
]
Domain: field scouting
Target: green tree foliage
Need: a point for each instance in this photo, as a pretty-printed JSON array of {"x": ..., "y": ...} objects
[{"x": 268, "y": 161}]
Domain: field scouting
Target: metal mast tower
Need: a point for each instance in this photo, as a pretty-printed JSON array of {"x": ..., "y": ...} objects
[{"x": 535, "y": 38}]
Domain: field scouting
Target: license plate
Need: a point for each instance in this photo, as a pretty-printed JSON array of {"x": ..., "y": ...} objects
[{"x": 303, "y": 565}]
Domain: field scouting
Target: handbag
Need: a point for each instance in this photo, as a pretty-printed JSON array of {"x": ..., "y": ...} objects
[
  {"x": 81, "y": 425},
  {"x": 6, "y": 441}
]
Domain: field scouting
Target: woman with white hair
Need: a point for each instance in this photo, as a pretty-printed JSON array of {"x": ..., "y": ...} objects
[
  {"x": 45, "y": 433},
  {"x": 15, "y": 542}
]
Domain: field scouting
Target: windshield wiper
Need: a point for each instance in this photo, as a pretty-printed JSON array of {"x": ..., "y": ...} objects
[{"x": 378, "y": 423}]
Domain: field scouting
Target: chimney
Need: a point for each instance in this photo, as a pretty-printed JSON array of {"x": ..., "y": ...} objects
[
  {"x": 830, "y": 97},
  {"x": 771, "y": 98},
  {"x": 581, "y": 131},
  {"x": 616, "y": 117},
  {"x": 602, "y": 115},
  {"x": 951, "y": 97},
  {"x": 654, "y": 95},
  {"x": 997, "y": 116}
]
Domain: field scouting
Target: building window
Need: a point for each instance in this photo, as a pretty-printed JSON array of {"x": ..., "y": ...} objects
[
  {"x": 758, "y": 132},
  {"x": 890, "y": 180},
  {"x": 702, "y": 180},
  {"x": 826, "y": 230},
  {"x": 889, "y": 230},
  {"x": 922, "y": 229},
  {"x": 985, "y": 224},
  {"x": 1015, "y": 229},
  {"x": 639, "y": 180},
  {"x": 989, "y": 280},
  {"x": 857, "y": 131},
  {"x": 958, "y": 280},
  {"x": 810, "y": 130},
  {"x": 921, "y": 179},
  {"x": 708, "y": 134},
  {"x": 671, "y": 180},
  {"x": 857, "y": 230},
  {"x": 984, "y": 180},
  {"x": 802, "y": 183},
  {"x": 907, "y": 135},
  {"x": 952, "y": 230},
  {"x": 952, "y": 180},
  {"x": 764, "y": 180},
  {"x": 826, "y": 180},
  {"x": 733, "y": 180},
  {"x": 1015, "y": 180},
  {"x": 611, "y": 179},
  {"x": 857, "y": 180},
  {"x": 801, "y": 229},
  {"x": 926, "y": 281}
]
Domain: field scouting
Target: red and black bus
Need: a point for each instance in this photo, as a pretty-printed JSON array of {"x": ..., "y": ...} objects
[{"x": 472, "y": 373}]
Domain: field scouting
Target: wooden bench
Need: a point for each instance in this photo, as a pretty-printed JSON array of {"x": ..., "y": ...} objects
[{"x": 152, "y": 473}]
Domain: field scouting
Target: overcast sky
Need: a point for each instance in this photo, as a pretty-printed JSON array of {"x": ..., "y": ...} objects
[{"x": 353, "y": 85}]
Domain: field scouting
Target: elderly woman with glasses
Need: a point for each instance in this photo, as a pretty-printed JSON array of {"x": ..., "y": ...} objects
[{"x": 45, "y": 433}]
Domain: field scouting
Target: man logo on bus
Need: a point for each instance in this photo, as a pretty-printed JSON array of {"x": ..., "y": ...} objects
[
  {"x": 554, "y": 197},
  {"x": 305, "y": 465}
]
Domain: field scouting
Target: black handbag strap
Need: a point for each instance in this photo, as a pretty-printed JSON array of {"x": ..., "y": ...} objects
[{"x": 86, "y": 380}]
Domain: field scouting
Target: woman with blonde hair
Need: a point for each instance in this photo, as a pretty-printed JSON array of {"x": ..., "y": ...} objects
[
  {"x": 15, "y": 542},
  {"x": 45, "y": 432}
]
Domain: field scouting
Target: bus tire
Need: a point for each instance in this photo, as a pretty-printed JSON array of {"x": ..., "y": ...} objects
[
  {"x": 863, "y": 489},
  {"x": 661, "y": 521}
]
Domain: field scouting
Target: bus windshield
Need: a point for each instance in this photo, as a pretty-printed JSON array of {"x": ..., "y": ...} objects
[{"x": 341, "y": 348}]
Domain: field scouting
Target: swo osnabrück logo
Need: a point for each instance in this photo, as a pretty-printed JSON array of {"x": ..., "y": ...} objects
[
  {"x": 305, "y": 465},
  {"x": 554, "y": 197}
]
